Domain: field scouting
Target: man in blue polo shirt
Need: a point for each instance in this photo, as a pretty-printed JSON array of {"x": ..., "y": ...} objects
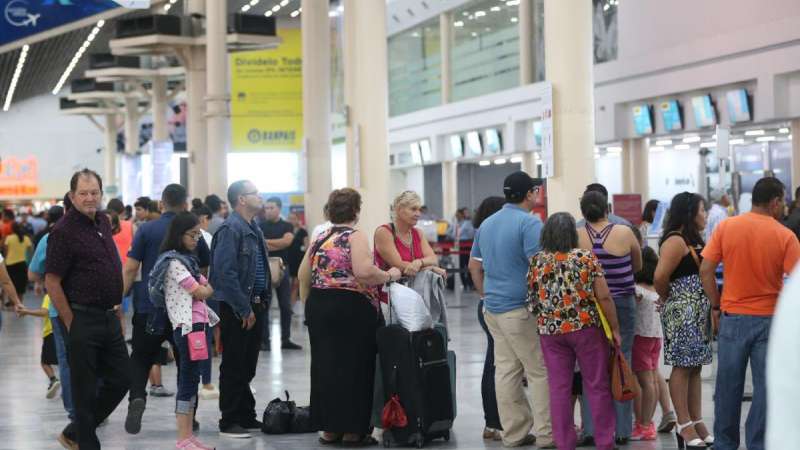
[
  {"x": 150, "y": 325},
  {"x": 499, "y": 263}
]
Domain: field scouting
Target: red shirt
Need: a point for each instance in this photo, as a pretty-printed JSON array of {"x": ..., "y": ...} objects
[{"x": 406, "y": 254}]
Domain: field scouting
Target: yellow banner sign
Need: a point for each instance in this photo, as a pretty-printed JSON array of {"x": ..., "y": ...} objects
[{"x": 267, "y": 97}]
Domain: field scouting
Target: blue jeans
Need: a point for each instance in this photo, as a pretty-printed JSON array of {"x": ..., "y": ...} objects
[
  {"x": 284, "y": 292},
  {"x": 205, "y": 366},
  {"x": 626, "y": 315},
  {"x": 741, "y": 338},
  {"x": 189, "y": 373},
  {"x": 59, "y": 332}
]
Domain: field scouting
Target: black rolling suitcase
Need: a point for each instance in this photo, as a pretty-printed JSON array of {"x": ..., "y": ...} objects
[{"x": 415, "y": 367}]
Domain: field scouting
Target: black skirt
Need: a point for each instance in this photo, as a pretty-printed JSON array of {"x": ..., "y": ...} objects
[{"x": 342, "y": 326}]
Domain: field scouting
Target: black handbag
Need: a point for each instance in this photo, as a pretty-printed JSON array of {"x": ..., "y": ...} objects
[
  {"x": 278, "y": 416},
  {"x": 301, "y": 421}
]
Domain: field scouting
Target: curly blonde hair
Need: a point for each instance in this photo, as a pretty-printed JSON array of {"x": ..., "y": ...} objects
[{"x": 406, "y": 199}]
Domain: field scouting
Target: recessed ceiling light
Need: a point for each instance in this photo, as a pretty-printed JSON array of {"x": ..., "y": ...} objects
[
  {"x": 480, "y": 13},
  {"x": 691, "y": 139},
  {"x": 458, "y": 23},
  {"x": 246, "y": 8},
  {"x": 514, "y": 20},
  {"x": 663, "y": 142},
  {"x": 512, "y": 3},
  {"x": 657, "y": 148},
  {"x": 754, "y": 133},
  {"x": 499, "y": 161},
  {"x": 484, "y": 163},
  {"x": 284, "y": 2},
  {"x": 765, "y": 139},
  {"x": 736, "y": 142},
  {"x": 708, "y": 145},
  {"x": 516, "y": 160},
  {"x": 683, "y": 147},
  {"x": 276, "y": 8},
  {"x": 494, "y": 9},
  {"x": 614, "y": 149},
  {"x": 783, "y": 131},
  {"x": 268, "y": 13},
  {"x": 295, "y": 13}
]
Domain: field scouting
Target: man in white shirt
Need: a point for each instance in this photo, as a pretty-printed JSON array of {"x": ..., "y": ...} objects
[{"x": 718, "y": 212}]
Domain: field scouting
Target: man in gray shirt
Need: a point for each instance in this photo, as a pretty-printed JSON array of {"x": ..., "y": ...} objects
[{"x": 613, "y": 218}]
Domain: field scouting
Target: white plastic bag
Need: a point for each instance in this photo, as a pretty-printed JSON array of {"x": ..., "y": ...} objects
[{"x": 408, "y": 308}]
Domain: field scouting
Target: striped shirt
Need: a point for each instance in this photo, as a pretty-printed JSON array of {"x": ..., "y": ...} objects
[
  {"x": 618, "y": 269},
  {"x": 260, "y": 284}
]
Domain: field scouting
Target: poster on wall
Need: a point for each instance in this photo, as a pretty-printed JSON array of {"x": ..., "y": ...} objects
[
  {"x": 267, "y": 97},
  {"x": 628, "y": 206},
  {"x": 19, "y": 177},
  {"x": 548, "y": 158},
  {"x": 161, "y": 154}
]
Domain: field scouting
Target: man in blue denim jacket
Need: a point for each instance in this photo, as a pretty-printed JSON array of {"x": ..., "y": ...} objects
[{"x": 241, "y": 279}]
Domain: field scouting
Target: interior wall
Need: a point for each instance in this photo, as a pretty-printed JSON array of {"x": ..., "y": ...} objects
[
  {"x": 61, "y": 144},
  {"x": 433, "y": 188},
  {"x": 476, "y": 182}
]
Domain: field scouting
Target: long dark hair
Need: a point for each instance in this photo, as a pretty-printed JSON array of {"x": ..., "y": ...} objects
[
  {"x": 680, "y": 218},
  {"x": 181, "y": 223},
  {"x": 16, "y": 227},
  {"x": 488, "y": 206},
  {"x": 649, "y": 212}
]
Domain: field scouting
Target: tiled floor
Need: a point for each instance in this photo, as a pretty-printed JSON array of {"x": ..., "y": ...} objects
[{"x": 29, "y": 421}]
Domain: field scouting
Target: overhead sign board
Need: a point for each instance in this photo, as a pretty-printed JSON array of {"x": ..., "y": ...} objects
[{"x": 24, "y": 18}]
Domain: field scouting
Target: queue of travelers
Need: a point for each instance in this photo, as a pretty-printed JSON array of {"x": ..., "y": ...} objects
[{"x": 556, "y": 298}]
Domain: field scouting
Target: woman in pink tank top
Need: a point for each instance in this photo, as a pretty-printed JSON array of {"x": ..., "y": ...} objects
[{"x": 399, "y": 244}]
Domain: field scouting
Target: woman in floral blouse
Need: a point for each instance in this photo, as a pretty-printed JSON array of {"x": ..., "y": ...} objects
[{"x": 566, "y": 287}]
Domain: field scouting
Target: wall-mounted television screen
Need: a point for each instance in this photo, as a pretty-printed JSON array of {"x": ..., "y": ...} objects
[
  {"x": 425, "y": 151},
  {"x": 456, "y": 146},
  {"x": 416, "y": 156},
  {"x": 643, "y": 119},
  {"x": 537, "y": 133},
  {"x": 494, "y": 141},
  {"x": 474, "y": 144},
  {"x": 671, "y": 114},
  {"x": 738, "y": 105},
  {"x": 703, "y": 108}
]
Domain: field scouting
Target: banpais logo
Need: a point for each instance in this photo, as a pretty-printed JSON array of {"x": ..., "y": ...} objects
[
  {"x": 18, "y": 13},
  {"x": 256, "y": 136}
]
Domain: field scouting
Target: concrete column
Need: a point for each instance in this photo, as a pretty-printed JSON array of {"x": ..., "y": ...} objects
[
  {"x": 449, "y": 188},
  {"x": 159, "y": 108},
  {"x": 568, "y": 64},
  {"x": 795, "y": 127},
  {"x": 635, "y": 173},
  {"x": 217, "y": 96},
  {"x": 529, "y": 164},
  {"x": 446, "y": 47},
  {"x": 316, "y": 107},
  {"x": 526, "y": 73},
  {"x": 366, "y": 95},
  {"x": 194, "y": 60},
  {"x": 110, "y": 152},
  {"x": 131, "y": 125}
]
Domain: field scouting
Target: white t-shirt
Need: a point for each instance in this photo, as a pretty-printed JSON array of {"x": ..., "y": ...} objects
[
  {"x": 783, "y": 368},
  {"x": 648, "y": 321}
]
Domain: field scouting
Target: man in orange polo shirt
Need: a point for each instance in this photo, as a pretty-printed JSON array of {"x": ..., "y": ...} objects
[{"x": 757, "y": 251}]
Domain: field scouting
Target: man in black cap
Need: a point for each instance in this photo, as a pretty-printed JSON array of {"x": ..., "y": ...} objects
[{"x": 499, "y": 262}]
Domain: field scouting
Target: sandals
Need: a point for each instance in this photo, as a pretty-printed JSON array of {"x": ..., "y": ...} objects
[
  {"x": 334, "y": 441},
  {"x": 683, "y": 444},
  {"x": 709, "y": 439}
]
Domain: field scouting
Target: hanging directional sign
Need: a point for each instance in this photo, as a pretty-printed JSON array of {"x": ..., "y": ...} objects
[{"x": 24, "y": 18}]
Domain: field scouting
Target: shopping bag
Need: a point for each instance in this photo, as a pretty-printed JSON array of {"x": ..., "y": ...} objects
[
  {"x": 301, "y": 420},
  {"x": 409, "y": 308},
  {"x": 394, "y": 416}
]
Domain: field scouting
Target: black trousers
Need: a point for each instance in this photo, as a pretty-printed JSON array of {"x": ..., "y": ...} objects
[
  {"x": 97, "y": 351},
  {"x": 488, "y": 393},
  {"x": 145, "y": 351},
  {"x": 463, "y": 264},
  {"x": 240, "y": 349}
]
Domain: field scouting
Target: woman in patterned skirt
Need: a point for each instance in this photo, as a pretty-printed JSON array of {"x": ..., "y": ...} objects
[{"x": 685, "y": 315}]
